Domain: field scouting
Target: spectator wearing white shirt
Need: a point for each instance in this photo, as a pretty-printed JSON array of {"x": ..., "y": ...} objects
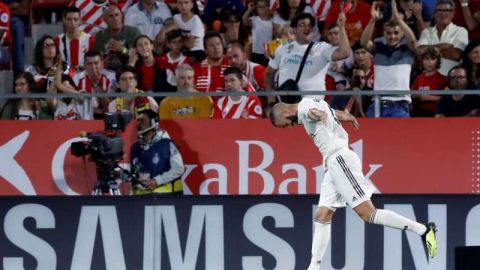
[
  {"x": 148, "y": 16},
  {"x": 449, "y": 38}
]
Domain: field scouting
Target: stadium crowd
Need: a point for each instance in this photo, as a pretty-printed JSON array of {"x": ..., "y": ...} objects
[{"x": 246, "y": 45}]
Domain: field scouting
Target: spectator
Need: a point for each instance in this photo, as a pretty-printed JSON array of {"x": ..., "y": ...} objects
[
  {"x": 96, "y": 79},
  {"x": 192, "y": 29},
  {"x": 73, "y": 43},
  {"x": 18, "y": 22},
  {"x": 288, "y": 56},
  {"x": 160, "y": 42},
  {"x": 286, "y": 34},
  {"x": 416, "y": 14},
  {"x": 67, "y": 108},
  {"x": 236, "y": 107},
  {"x": 127, "y": 78},
  {"x": 458, "y": 104},
  {"x": 25, "y": 108},
  {"x": 169, "y": 62},
  {"x": 363, "y": 59},
  {"x": 468, "y": 15},
  {"x": 287, "y": 10},
  {"x": 156, "y": 158},
  {"x": 209, "y": 73},
  {"x": 254, "y": 73},
  {"x": 262, "y": 28},
  {"x": 337, "y": 69},
  {"x": 471, "y": 61},
  {"x": 353, "y": 104},
  {"x": 181, "y": 107},
  {"x": 114, "y": 41},
  {"x": 5, "y": 36},
  {"x": 394, "y": 54},
  {"x": 44, "y": 58},
  {"x": 449, "y": 38},
  {"x": 214, "y": 10},
  {"x": 143, "y": 58},
  {"x": 357, "y": 13},
  {"x": 429, "y": 79},
  {"x": 148, "y": 16},
  {"x": 232, "y": 28}
]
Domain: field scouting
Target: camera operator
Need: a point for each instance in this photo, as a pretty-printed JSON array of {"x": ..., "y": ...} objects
[{"x": 156, "y": 158}]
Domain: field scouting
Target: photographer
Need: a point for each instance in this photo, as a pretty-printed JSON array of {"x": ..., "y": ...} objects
[{"x": 156, "y": 158}]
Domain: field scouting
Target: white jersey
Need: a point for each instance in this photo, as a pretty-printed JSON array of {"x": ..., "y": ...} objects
[
  {"x": 330, "y": 137},
  {"x": 193, "y": 27},
  {"x": 287, "y": 61},
  {"x": 148, "y": 24},
  {"x": 262, "y": 32}
]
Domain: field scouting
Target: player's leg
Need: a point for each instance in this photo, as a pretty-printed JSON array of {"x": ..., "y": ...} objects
[
  {"x": 352, "y": 185},
  {"x": 321, "y": 236},
  {"x": 367, "y": 211},
  {"x": 328, "y": 202}
]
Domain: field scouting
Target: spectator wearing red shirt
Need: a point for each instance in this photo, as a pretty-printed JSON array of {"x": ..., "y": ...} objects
[
  {"x": 429, "y": 79},
  {"x": 5, "y": 36},
  {"x": 357, "y": 15},
  {"x": 169, "y": 62},
  {"x": 209, "y": 72}
]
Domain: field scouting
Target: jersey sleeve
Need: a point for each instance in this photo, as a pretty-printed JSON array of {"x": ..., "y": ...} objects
[{"x": 255, "y": 108}]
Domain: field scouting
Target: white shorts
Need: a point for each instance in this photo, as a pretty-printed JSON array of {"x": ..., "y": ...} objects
[{"x": 344, "y": 182}]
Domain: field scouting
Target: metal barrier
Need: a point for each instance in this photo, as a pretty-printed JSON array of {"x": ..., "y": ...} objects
[{"x": 375, "y": 93}]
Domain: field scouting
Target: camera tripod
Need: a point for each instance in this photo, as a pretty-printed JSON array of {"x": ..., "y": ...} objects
[{"x": 106, "y": 188}]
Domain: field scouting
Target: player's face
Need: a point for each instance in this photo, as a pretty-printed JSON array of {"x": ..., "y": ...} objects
[
  {"x": 144, "y": 47},
  {"x": 232, "y": 83},
  {"x": 72, "y": 22},
  {"x": 21, "y": 86},
  {"x": 285, "y": 120},
  {"x": 429, "y": 64},
  {"x": 185, "y": 81},
  {"x": 474, "y": 55},
  {"x": 93, "y": 66},
  {"x": 393, "y": 35},
  {"x": 127, "y": 82},
  {"x": 237, "y": 57},
  {"x": 184, "y": 6},
  {"x": 214, "y": 48}
]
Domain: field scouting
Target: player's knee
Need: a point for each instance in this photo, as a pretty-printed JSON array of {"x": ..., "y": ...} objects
[{"x": 324, "y": 214}]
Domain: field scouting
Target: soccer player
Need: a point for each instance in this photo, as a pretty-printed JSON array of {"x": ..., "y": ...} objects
[{"x": 344, "y": 181}]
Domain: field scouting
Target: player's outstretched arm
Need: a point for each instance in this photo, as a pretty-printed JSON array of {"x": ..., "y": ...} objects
[{"x": 347, "y": 117}]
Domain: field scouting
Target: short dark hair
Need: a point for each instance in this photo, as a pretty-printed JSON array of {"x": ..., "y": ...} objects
[
  {"x": 124, "y": 69},
  {"x": 71, "y": 9},
  {"x": 209, "y": 35},
  {"x": 302, "y": 16},
  {"x": 173, "y": 34},
  {"x": 449, "y": 2},
  {"x": 92, "y": 53},
  {"x": 142, "y": 36},
  {"x": 233, "y": 71},
  {"x": 455, "y": 67},
  {"x": 236, "y": 44}
]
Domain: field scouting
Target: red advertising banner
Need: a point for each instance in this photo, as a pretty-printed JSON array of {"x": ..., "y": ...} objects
[{"x": 407, "y": 156}]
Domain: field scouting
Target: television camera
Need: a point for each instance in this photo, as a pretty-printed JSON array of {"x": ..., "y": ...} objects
[{"x": 106, "y": 150}]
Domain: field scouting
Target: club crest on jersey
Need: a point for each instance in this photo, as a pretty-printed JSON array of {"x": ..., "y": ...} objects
[
  {"x": 4, "y": 18},
  {"x": 156, "y": 159}
]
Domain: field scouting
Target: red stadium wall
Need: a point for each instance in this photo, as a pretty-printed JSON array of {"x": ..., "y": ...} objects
[{"x": 408, "y": 156}]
